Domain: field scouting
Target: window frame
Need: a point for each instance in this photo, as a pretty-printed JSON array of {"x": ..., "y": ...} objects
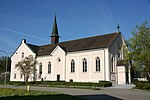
[
  {"x": 22, "y": 55},
  {"x": 72, "y": 66},
  {"x": 49, "y": 67},
  {"x": 84, "y": 65},
  {"x": 98, "y": 64},
  {"x": 40, "y": 68},
  {"x": 15, "y": 75}
]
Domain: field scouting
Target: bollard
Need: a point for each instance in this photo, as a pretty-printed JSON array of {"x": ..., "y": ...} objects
[{"x": 28, "y": 87}]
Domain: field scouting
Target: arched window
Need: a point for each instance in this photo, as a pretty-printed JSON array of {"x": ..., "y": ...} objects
[
  {"x": 72, "y": 66},
  {"x": 97, "y": 64},
  {"x": 21, "y": 75},
  {"x": 84, "y": 65},
  {"x": 112, "y": 64},
  {"x": 40, "y": 68},
  {"x": 49, "y": 67}
]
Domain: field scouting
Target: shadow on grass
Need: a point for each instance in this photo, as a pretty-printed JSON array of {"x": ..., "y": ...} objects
[
  {"x": 42, "y": 97},
  {"x": 99, "y": 97}
]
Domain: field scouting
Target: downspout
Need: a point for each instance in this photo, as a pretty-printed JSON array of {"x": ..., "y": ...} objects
[
  {"x": 65, "y": 67},
  {"x": 104, "y": 66}
]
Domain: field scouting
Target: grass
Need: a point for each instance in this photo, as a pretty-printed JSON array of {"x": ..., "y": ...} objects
[{"x": 19, "y": 94}]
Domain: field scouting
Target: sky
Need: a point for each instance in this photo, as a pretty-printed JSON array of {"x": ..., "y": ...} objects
[{"x": 33, "y": 19}]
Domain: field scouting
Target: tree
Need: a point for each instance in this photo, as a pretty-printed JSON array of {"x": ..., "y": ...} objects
[
  {"x": 139, "y": 47},
  {"x": 3, "y": 64},
  {"x": 27, "y": 67},
  {"x": 3, "y": 60}
]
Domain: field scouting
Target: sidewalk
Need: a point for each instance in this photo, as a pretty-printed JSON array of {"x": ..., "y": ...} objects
[{"x": 123, "y": 86}]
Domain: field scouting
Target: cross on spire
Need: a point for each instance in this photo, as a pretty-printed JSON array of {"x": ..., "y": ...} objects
[{"x": 118, "y": 27}]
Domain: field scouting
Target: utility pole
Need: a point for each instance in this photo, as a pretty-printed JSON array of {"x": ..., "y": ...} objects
[{"x": 5, "y": 66}]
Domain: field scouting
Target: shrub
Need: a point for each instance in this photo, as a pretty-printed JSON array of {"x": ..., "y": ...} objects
[
  {"x": 105, "y": 84},
  {"x": 66, "y": 84},
  {"x": 135, "y": 81},
  {"x": 143, "y": 85},
  {"x": 15, "y": 83},
  {"x": 146, "y": 86}
]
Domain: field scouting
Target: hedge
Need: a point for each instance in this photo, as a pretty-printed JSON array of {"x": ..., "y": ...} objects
[
  {"x": 145, "y": 85},
  {"x": 65, "y": 84}
]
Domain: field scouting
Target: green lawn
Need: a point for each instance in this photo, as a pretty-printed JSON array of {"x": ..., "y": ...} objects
[{"x": 18, "y": 94}]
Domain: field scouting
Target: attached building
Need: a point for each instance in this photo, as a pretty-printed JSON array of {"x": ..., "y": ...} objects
[{"x": 83, "y": 60}]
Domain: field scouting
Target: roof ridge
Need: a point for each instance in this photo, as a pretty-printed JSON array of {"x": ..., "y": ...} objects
[{"x": 32, "y": 44}]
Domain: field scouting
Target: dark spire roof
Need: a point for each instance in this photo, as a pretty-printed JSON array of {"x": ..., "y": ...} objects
[{"x": 55, "y": 29}]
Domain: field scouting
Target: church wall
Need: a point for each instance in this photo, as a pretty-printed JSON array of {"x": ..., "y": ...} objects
[
  {"x": 61, "y": 64},
  {"x": 22, "y": 52},
  {"x": 91, "y": 75},
  {"x": 116, "y": 55},
  {"x": 45, "y": 75},
  {"x": 57, "y": 59}
]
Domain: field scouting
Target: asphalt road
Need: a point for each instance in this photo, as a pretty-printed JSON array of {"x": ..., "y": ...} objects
[{"x": 119, "y": 93}]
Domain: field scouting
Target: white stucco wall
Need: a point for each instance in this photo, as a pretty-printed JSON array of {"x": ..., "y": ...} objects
[
  {"x": 57, "y": 67},
  {"x": 91, "y": 75},
  {"x": 17, "y": 56},
  {"x": 114, "y": 50},
  {"x": 121, "y": 75},
  {"x": 63, "y": 67}
]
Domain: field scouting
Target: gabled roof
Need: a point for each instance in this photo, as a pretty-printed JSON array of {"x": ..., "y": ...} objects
[
  {"x": 89, "y": 43},
  {"x": 34, "y": 48}
]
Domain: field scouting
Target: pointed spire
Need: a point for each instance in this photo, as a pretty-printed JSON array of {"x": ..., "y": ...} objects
[
  {"x": 55, "y": 29},
  {"x": 55, "y": 35}
]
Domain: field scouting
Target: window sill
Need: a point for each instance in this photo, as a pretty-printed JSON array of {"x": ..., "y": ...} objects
[{"x": 97, "y": 71}]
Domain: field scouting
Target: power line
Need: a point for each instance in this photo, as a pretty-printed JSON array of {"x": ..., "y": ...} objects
[{"x": 7, "y": 29}]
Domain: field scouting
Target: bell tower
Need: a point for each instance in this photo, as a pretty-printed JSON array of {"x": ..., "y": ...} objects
[{"x": 55, "y": 36}]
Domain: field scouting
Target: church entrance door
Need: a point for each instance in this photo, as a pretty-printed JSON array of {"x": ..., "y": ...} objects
[{"x": 58, "y": 77}]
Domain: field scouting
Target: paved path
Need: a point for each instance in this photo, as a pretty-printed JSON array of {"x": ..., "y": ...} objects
[{"x": 113, "y": 93}]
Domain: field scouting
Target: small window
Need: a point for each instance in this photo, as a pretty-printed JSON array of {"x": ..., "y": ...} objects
[
  {"x": 21, "y": 75},
  {"x": 22, "y": 55},
  {"x": 49, "y": 67},
  {"x": 15, "y": 76},
  {"x": 84, "y": 65},
  {"x": 58, "y": 59},
  {"x": 72, "y": 66},
  {"x": 97, "y": 64},
  {"x": 40, "y": 68}
]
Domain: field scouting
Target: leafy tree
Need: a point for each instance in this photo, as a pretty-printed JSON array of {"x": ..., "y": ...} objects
[
  {"x": 3, "y": 60},
  {"x": 3, "y": 64},
  {"x": 27, "y": 67},
  {"x": 139, "y": 47}
]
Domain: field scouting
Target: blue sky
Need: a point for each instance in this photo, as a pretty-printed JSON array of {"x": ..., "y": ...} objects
[{"x": 33, "y": 19}]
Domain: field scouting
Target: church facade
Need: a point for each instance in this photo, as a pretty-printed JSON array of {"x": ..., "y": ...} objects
[{"x": 89, "y": 59}]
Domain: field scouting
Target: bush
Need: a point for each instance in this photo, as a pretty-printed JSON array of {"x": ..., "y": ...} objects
[
  {"x": 105, "y": 84},
  {"x": 143, "y": 85},
  {"x": 135, "y": 81},
  {"x": 16, "y": 83},
  {"x": 65, "y": 84}
]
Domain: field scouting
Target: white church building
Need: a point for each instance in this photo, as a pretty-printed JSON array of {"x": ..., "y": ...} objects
[{"x": 90, "y": 59}]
